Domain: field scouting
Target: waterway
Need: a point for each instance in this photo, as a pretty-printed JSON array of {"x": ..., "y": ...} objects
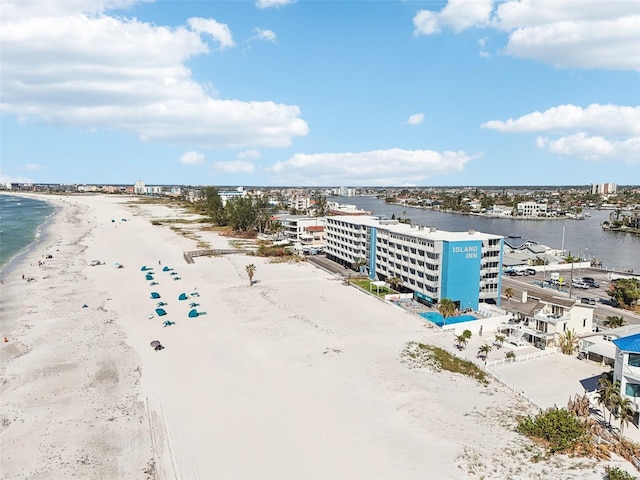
[{"x": 618, "y": 251}]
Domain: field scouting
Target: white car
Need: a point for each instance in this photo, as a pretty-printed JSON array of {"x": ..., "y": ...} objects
[{"x": 584, "y": 286}]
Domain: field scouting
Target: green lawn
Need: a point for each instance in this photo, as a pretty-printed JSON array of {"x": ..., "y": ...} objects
[{"x": 365, "y": 284}]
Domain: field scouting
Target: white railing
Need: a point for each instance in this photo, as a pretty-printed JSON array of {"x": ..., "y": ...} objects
[
  {"x": 523, "y": 358},
  {"x": 514, "y": 388}
]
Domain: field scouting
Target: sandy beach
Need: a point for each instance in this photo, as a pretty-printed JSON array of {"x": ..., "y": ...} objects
[{"x": 294, "y": 377}]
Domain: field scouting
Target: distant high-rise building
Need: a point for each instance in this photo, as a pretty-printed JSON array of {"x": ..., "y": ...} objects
[{"x": 603, "y": 188}]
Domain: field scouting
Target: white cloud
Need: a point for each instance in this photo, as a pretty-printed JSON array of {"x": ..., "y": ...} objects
[
  {"x": 249, "y": 154},
  {"x": 379, "y": 167},
  {"x": 600, "y": 119},
  {"x": 102, "y": 72},
  {"x": 11, "y": 179},
  {"x": 598, "y": 132},
  {"x": 236, "y": 166},
  {"x": 32, "y": 167},
  {"x": 266, "y": 35},
  {"x": 219, "y": 31},
  {"x": 191, "y": 158},
  {"x": 415, "y": 119},
  {"x": 564, "y": 33},
  {"x": 273, "y": 3},
  {"x": 593, "y": 148},
  {"x": 457, "y": 15}
]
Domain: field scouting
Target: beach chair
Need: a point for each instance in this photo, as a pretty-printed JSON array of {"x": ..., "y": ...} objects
[
  {"x": 195, "y": 294},
  {"x": 177, "y": 278},
  {"x": 168, "y": 323},
  {"x": 194, "y": 304},
  {"x": 162, "y": 304},
  {"x": 153, "y": 283}
]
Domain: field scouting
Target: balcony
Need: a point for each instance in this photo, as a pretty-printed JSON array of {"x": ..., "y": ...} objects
[
  {"x": 552, "y": 318},
  {"x": 631, "y": 372}
]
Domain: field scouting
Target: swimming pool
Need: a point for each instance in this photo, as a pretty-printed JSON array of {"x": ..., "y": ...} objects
[{"x": 435, "y": 317}]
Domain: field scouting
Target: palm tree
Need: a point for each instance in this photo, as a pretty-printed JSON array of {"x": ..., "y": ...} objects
[
  {"x": 461, "y": 341},
  {"x": 395, "y": 282},
  {"x": 251, "y": 269},
  {"x": 484, "y": 350},
  {"x": 614, "y": 321},
  {"x": 509, "y": 293},
  {"x": 358, "y": 264},
  {"x": 446, "y": 307},
  {"x": 500, "y": 340},
  {"x": 568, "y": 342},
  {"x": 510, "y": 355},
  {"x": 625, "y": 415},
  {"x": 608, "y": 394}
]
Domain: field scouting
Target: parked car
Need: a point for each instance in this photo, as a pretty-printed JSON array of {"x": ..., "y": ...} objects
[
  {"x": 530, "y": 271},
  {"x": 584, "y": 286},
  {"x": 591, "y": 283},
  {"x": 588, "y": 300}
]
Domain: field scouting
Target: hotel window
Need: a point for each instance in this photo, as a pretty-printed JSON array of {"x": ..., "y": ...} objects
[
  {"x": 632, "y": 389},
  {"x": 634, "y": 360}
]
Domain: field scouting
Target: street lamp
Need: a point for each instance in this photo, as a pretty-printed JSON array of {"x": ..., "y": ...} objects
[{"x": 580, "y": 261}]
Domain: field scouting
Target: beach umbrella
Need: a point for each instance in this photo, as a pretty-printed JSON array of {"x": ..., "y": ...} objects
[
  {"x": 161, "y": 312},
  {"x": 155, "y": 295},
  {"x": 155, "y": 343},
  {"x": 183, "y": 296}
]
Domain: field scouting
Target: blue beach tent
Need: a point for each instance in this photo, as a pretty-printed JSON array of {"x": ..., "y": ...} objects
[
  {"x": 161, "y": 312},
  {"x": 148, "y": 276},
  {"x": 166, "y": 269},
  {"x": 194, "y": 313},
  {"x": 155, "y": 295},
  {"x": 183, "y": 296}
]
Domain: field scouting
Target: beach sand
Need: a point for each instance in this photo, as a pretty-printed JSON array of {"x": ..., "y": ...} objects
[{"x": 296, "y": 376}]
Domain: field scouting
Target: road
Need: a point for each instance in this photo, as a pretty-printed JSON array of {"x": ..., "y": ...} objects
[{"x": 602, "y": 310}]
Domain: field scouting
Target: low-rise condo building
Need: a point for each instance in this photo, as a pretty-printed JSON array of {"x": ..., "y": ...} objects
[
  {"x": 464, "y": 267},
  {"x": 627, "y": 370}
]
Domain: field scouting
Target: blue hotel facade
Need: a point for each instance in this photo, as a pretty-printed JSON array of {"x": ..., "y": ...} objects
[{"x": 464, "y": 267}]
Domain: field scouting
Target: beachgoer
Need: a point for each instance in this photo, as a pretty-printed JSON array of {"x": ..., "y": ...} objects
[
  {"x": 159, "y": 262},
  {"x": 23, "y": 276}
]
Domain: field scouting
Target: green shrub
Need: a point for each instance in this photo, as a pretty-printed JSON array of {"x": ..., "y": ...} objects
[
  {"x": 614, "y": 473},
  {"x": 557, "y": 426},
  {"x": 421, "y": 355}
]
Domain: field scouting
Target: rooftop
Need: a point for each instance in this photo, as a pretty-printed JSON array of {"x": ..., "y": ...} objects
[
  {"x": 428, "y": 233},
  {"x": 628, "y": 344}
]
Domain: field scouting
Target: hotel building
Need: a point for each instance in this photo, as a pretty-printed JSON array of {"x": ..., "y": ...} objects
[{"x": 464, "y": 267}]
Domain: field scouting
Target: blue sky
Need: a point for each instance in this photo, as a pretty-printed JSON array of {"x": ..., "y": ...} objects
[{"x": 320, "y": 93}]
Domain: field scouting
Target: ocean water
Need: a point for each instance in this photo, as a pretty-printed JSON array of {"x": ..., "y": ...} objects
[{"x": 22, "y": 221}]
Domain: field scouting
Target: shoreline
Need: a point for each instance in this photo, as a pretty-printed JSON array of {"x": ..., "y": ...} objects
[
  {"x": 41, "y": 233},
  {"x": 296, "y": 376}
]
